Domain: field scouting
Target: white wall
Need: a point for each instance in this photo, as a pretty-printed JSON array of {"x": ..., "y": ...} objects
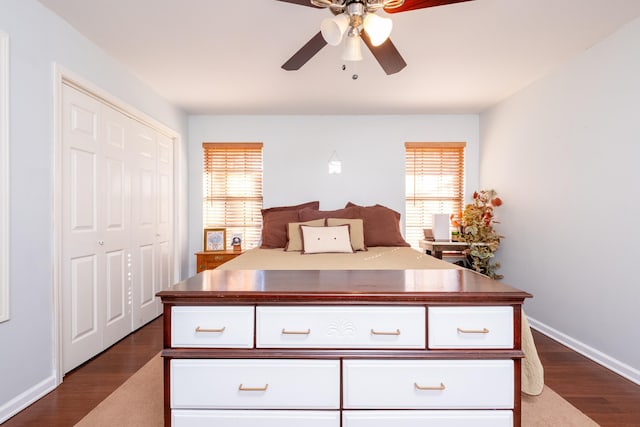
[
  {"x": 297, "y": 150},
  {"x": 39, "y": 38},
  {"x": 563, "y": 155}
]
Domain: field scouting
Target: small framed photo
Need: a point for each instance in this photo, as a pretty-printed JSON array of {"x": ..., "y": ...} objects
[{"x": 215, "y": 239}]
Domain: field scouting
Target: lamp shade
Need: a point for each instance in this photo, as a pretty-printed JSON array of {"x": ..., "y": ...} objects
[
  {"x": 352, "y": 48},
  {"x": 333, "y": 29},
  {"x": 378, "y": 28}
]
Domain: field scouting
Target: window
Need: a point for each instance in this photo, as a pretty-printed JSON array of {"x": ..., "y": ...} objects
[
  {"x": 434, "y": 184},
  {"x": 232, "y": 190}
]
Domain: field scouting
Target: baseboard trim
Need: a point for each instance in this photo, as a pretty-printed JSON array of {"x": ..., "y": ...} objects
[
  {"x": 26, "y": 398},
  {"x": 597, "y": 356}
]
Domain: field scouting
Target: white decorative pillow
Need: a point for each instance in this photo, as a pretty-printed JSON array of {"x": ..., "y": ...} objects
[
  {"x": 294, "y": 236},
  {"x": 317, "y": 240},
  {"x": 356, "y": 231}
]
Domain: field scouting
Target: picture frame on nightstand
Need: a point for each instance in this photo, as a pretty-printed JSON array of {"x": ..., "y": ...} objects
[{"x": 215, "y": 239}]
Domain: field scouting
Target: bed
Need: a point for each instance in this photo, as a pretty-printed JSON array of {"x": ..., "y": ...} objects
[
  {"x": 377, "y": 242},
  {"x": 380, "y": 258}
]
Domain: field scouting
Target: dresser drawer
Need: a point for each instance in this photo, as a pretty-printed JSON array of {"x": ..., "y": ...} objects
[
  {"x": 470, "y": 327},
  {"x": 241, "y": 418},
  {"x": 340, "y": 327},
  {"x": 436, "y": 384},
  {"x": 226, "y": 327},
  {"x": 255, "y": 384},
  {"x": 427, "y": 418}
]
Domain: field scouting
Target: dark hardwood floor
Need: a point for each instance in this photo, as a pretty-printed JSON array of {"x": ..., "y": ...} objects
[
  {"x": 606, "y": 397},
  {"x": 89, "y": 384}
]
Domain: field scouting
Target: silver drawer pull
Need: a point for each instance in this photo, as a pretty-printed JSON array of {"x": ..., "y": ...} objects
[
  {"x": 243, "y": 388},
  {"x": 437, "y": 387},
  {"x": 473, "y": 331},
  {"x": 285, "y": 332},
  {"x": 396, "y": 332},
  {"x": 220, "y": 330}
]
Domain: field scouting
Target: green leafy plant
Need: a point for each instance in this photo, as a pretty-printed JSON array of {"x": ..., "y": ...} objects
[{"x": 476, "y": 223}]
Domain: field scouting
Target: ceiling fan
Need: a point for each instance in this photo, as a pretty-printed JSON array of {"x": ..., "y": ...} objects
[{"x": 356, "y": 20}]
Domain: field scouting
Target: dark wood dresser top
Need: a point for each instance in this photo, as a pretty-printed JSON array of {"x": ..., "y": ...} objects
[{"x": 341, "y": 287}]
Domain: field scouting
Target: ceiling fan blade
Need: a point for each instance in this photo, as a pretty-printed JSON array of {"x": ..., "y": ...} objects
[
  {"x": 305, "y": 53},
  {"x": 300, "y": 2},
  {"x": 387, "y": 55},
  {"x": 421, "y": 4}
]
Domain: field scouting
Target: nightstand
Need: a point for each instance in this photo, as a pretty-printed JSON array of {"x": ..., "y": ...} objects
[
  {"x": 211, "y": 260},
  {"x": 437, "y": 247}
]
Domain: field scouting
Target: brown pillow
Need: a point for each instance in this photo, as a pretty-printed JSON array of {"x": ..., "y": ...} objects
[
  {"x": 308, "y": 214},
  {"x": 275, "y": 220},
  {"x": 381, "y": 225}
]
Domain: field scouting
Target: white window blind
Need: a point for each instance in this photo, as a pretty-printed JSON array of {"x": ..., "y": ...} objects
[
  {"x": 232, "y": 190},
  {"x": 434, "y": 175}
]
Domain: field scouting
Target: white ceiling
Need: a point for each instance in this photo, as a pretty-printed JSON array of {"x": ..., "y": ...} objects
[{"x": 224, "y": 56}]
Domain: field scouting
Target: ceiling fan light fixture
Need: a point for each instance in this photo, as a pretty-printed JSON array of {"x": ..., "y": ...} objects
[
  {"x": 378, "y": 28},
  {"x": 333, "y": 29},
  {"x": 352, "y": 47},
  {"x": 333, "y": 4}
]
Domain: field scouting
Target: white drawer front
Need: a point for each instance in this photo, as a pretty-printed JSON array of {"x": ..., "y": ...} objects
[
  {"x": 226, "y": 327},
  {"x": 427, "y": 418},
  {"x": 437, "y": 384},
  {"x": 340, "y": 327},
  {"x": 470, "y": 327},
  {"x": 252, "y": 383},
  {"x": 241, "y": 418}
]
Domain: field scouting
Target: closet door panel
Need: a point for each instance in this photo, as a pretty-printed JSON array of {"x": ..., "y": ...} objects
[
  {"x": 84, "y": 300},
  {"x": 146, "y": 197},
  {"x": 81, "y": 252},
  {"x": 117, "y": 308},
  {"x": 144, "y": 216},
  {"x": 82, "y": 192},
  {"x": 115, "y": 223},
  {"x": 147, "y": 275}
]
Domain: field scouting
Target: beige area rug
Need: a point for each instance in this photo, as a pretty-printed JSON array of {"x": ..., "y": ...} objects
[{"x": 138, "y": 403}]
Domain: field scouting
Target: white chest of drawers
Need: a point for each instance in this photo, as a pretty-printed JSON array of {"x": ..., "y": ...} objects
[{"x": 246, "y": 348}]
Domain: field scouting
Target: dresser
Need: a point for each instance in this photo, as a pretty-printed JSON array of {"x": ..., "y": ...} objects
[
  {"x": 211, "y": 260},
  {"x": 352, "y": 348}
]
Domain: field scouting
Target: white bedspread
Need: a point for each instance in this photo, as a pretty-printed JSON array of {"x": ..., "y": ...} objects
[{"x": 380, "y": 258}]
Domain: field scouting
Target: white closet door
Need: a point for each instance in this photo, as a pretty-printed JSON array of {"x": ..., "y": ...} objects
[
  {"x": 81, "y": 252},
  {"x": 96, "y": 227},
  {"x": 115, "y": 222},
  {"x": 144, "y": 192}
]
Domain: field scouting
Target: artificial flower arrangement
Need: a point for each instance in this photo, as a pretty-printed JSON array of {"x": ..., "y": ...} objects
[{"x": 475, "y": 226}]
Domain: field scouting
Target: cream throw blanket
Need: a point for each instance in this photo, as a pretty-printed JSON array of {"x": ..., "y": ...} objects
[{"x": 381, "y": 258}]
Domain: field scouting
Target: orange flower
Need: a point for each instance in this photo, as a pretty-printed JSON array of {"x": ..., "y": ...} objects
[
  {"x": 496, "y": 202},
  {"x": 456, "y": 220}
]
